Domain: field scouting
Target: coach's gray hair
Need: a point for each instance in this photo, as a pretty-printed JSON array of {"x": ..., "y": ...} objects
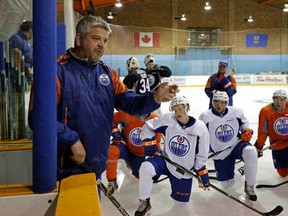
[{"x": 86, "y": 23}]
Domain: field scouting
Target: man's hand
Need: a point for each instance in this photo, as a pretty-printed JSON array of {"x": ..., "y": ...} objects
[
  {"x": 259, "y": 149},
  {"x": 165, "y": 92},
  {"x": 78, "y": 153}
]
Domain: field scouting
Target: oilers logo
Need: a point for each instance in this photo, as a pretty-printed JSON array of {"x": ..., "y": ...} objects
[
  {"x": 224, "y": 133},
  {"x": 151, "y": 79},
  {"x": 281, "y": 126},
  {"x": 134, "y": 136},
  {"x": 179, "y": 145},
  {"x": 104, "y": 79}
]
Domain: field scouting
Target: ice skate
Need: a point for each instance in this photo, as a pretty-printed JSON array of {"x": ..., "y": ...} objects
[
  {"x": 112, "y": 186},
  {"x": 249, "y": 190},
  {"x": 241, "y": 171},
  {"x": 144, "y": 208}
]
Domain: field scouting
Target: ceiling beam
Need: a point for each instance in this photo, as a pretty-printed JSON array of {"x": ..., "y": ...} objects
[
  {"x": 82, "y": 5},
  {"x": 262, "y": 2}
]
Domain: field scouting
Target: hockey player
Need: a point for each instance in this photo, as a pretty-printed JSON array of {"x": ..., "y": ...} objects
[
  {"x": 223, "y": 80},
  {"x": 137, "y": 78},
  {"x": 126, "y": 144},
  {"x": 230, "y": 133},
  {"x": 273, "y": 123},
  {"x": 155, "y": 72},
  {"x": 186, "y": 143}
]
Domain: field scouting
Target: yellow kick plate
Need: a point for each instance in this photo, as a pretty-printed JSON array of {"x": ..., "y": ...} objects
[{"x": 78, "y": 196}]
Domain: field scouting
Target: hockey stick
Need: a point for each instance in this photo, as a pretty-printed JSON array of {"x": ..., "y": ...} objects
[
  {"x": 104, "y": 189},
  {"x": 271, "y": 186},
  {"x": 216, "y": 153},
  {"x": 262, "y": 150},
  {"x": 160, "y": 180},
  {"x": 239, "y": 161},
  {"x": 277, "y": 210}
]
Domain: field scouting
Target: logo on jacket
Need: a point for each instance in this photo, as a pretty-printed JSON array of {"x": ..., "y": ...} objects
[
  {"x": 151, "y": 79},
  {"x": 179, "y": 145},
  {"x": 134, "y": 136},
  {"x": 281, "y": 126},
  {"x": 224, "y": 133},
  {"x": 104, "y": 79}
]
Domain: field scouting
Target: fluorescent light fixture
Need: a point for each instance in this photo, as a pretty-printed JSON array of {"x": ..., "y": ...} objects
[
  {"x": 250, "y": 19},
  {"x": 285, "y": 9},
  {"x": 118, "y": 4},
  {"x": 183, "y": 18},
  {"x": 110, "y": 16},
  {"x": 207, "y": 6}
]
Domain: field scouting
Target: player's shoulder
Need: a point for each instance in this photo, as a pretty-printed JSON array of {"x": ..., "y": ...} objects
[
  {"x": 167, "y": 116},
  {"x": 213, "y": 74},
  {"x": 205, "y": 114},
  {"x": 267, "y": 109},
  {"x": 234, "y": 111}
]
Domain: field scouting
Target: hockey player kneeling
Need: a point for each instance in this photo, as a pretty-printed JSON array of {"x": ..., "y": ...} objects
[
  {"x": 230, "y": 135},
  {"x": 186, "y": 143}
]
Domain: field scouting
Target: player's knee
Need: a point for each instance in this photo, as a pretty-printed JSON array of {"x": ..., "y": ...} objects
[
  {"x": 250, "y": 153},
  {"x": 147, "y": 169},
  {"x": 114, "y": 152},
  {"x": 283, "y": 172}
]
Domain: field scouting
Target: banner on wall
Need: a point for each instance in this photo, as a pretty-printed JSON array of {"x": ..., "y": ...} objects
[
  {"x": 146, "y": 39},
  {"x": 256, "y": 40}
]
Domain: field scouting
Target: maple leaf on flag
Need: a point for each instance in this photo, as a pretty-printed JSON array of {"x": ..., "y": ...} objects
[{"x": 146, "y": 39}]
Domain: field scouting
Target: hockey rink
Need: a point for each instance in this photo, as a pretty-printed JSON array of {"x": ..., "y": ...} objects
[{"x": 207, "y": 203}]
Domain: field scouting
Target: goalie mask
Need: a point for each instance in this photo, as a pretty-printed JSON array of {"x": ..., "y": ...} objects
[
  {"x": 179, "y": 100},
  {"x": 132, "y": 63}
]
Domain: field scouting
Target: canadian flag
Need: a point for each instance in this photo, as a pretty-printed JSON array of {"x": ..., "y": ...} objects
[{"x": 146, "y": 39}]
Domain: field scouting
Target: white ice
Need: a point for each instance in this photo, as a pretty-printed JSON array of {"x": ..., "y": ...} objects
[{"x": 207, "y": 203}]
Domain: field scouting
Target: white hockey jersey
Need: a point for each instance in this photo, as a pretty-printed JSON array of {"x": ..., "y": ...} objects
[
  {"x": 224, "y": 129},
  {"x": 186, "y": 145}
]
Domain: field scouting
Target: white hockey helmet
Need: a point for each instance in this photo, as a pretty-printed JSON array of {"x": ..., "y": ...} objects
[
  {"x": 280, "y": 93},
  {"x": 132, "y": 63},
  {"x": 148, "y": 58},
  {"x": 221, "y": 96},
  {"x": 179, "y": 100}
]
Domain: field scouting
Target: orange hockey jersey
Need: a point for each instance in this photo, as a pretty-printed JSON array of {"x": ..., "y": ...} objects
[
  {"x": 131, "y": 129},
  {"x": 274, "y": 125}
]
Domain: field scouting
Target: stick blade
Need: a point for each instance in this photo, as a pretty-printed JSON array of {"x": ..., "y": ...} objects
[
  {"x": 276, "y": 211},
  {"x": 264, "y": 186}
]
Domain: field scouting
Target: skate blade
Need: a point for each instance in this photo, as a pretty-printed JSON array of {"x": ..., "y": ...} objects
[{"x": 245, "y": 199}]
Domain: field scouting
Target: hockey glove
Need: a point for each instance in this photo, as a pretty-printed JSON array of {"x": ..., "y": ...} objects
[
  {"x": 203, "y": 173},
  {"x": 246, "y": 134},
  {"x": 150, "y": 147},
  {"x": 117, "y": 136},
  {"x": 259, "y": 149},
  {"x": 224, "y": 81},
  {"x": 156, "y": 66}
]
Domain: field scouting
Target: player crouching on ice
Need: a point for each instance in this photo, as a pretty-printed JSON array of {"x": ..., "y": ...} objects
[
  {"x": 186, "y": 143},
  {"x": 273, "y": 123},
  {"x": 230, "y": 135}
]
